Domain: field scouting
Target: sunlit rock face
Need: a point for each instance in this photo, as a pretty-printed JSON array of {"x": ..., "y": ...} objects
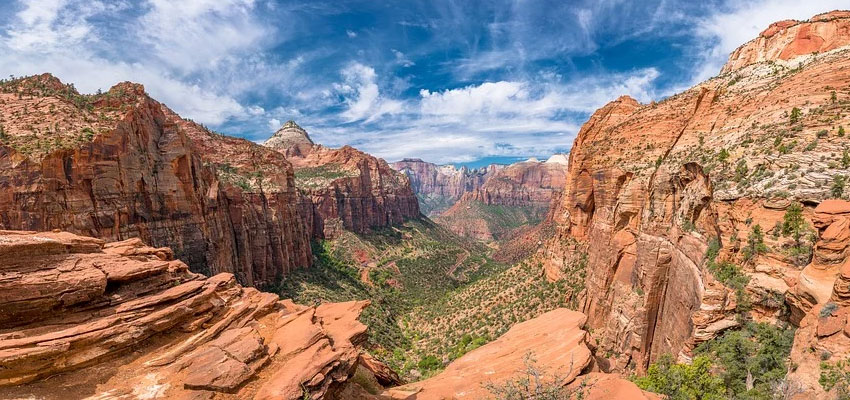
[{"x": 649, "y": 186}]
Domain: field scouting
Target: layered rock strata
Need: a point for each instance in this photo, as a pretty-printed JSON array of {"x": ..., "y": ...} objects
[
  {"x": 120, "y": 165},
  {"x": 710, "y": 164},
  {"x": 123, "y": 320},
  {"x": 513, "y": 197},
  {"x": 343, "y": 188},
  {"x": 438, "y": 187}
]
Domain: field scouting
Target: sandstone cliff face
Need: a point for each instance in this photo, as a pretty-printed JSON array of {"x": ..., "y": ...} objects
[
  {"x": 123, "y": 320},
  {"x": 820, "y": 302},
  {"x": 344, "y": 188},
  {"x": 714, "y": 161},
  {"x": 132, "y": 171},
  {"x": 513, "y": 197},
  {"x": 438, "y": 187},
  {"x": 785, "y": 40}
]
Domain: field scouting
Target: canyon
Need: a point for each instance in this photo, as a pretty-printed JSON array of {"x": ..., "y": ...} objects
[{"x": 145, "y": 256}]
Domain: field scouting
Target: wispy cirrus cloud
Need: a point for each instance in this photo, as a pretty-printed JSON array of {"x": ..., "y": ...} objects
[{"x": 444, "y": 80}]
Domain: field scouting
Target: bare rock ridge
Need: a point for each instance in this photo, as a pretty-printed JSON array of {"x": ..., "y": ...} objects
[
  {"x": 343, "y": 188},
  {"x": 290, "y": 137},
  {"x": 123, "y": 320},
  {"x": 650, "y": 187},
  {"x": 554, "y": 341},
  {"x": 786, "y": 40}
]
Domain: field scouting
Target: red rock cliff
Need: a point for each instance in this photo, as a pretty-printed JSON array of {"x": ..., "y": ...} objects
[
  {"x": 785, "y": 40},
  {"x": 344, "y": 188},
  {"x": 438, "y": 187},
  {"x": 119, "y": 166},
  {"x": 649, "y": 186}
]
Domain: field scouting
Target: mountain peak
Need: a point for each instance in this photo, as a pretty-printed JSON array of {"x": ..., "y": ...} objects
[
  {"x": 789, "y": 39},
  {"x": 289, "y": 135}
]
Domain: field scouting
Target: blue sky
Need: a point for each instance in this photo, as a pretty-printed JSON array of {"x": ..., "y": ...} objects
[{"x": 445, "y": 81}]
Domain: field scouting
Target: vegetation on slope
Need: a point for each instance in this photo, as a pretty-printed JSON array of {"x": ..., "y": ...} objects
[{"x": 746, "y": 363}]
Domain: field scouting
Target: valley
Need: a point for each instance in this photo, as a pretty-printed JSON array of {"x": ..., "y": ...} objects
[{"x": 696, "y": 247}]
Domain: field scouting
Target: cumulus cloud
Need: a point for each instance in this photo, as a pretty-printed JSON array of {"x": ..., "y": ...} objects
[{"x": 362, "y": 95}]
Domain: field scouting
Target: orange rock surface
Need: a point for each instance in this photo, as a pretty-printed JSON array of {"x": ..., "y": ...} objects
[
  {"x": 343, "y": 188},
  {"x": 123, "y": 320},
  {"x": 786, "y": 40},
  {"x": 554, "y": 341},
  {"x": 120, "y": 165},
  {"x": 649, "y": 186}
]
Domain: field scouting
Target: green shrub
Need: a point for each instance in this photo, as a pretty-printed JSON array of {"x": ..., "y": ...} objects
[
  {"x": 836, "y": 375},
  {"x": 795, "y": 115},
  {"x": 682, "y": 381},
  {"x": 838, "y": 183},
  {"x": 758, "y": 352},
  {"x": 755, "y": 244}
]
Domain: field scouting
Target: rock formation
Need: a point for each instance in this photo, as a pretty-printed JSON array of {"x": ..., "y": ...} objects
[
  {"x": 343, "y": 188},
  {"x": 123, "y": 320},
  {"x": 552, "y": 345},
  {"x": 785, "y": 40},
  {"x": 649, "y": 187},
  {"x": 438, "y": 187},
  {"x": 515, "y": 196},
  {"x": 120, "y": 165}
]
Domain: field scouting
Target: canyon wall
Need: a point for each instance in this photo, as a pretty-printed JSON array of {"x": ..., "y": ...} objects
[
  {"x": 651, "y": 186},
  {"x": 343, "y": 188},
  {"x": 119, "y": 165},
  {"x": 438, "y": 187},
  {"x": 514, "y": 197}
]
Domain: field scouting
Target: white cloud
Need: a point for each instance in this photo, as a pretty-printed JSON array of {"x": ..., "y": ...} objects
[
  {"x": 362, "y": 95},
  {"x": 512, "y": 118},
  {"x": 57, "y": 36},
  {"x": 351, "y": 33}
]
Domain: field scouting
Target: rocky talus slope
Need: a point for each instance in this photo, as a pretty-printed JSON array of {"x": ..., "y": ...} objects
[
  {"x": 438, "y": 187},
  {"x": 343, "y": 188},
  {"x": 120, "y": 165},
  {"x": 513, "y": 197},
  {"x": 712, "y": 163},
  {"x": 125, "y": 321}
]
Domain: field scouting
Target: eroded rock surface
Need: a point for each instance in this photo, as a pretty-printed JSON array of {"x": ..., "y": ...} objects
[
  {"x": 127, "y": 321},
  {"x": 554, "y": 341},
  {"x": 650, "y": 186},
  {"x": 343, "y": 188},
  {"x": 121, "y": 165},
  {"x": 438, "y": 187},
  {"x": 513, "y": 197}
]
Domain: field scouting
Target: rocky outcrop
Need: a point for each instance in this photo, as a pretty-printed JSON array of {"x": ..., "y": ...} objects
[
  {"x": 516, "y": 196},
  {"x": 786, "y": 40},
  {"x": 438, "y": 187},
  {"x": 123, "y": 320},
  {"x": 344, "y": 188},
  {"x": 820, "y": 303},
  {"x": 291, "y": 139},
  {"x": 136, "y": 169},
  {"x": 649, "y": 187},
  {"x": 552, "y": 346}
]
